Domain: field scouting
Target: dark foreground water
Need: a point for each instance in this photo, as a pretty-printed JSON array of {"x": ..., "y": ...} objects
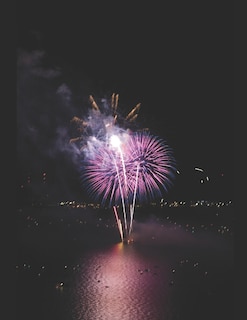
[{"x": 71, "y": 265}]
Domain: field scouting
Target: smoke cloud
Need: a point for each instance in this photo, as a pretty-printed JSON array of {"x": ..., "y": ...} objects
[{"x": 45, "y": 106}]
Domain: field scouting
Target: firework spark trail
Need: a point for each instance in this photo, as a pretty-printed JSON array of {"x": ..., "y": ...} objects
[
  {"x": 119, "y": 224},
  {"x": 132, "y": 207},
  {"x": 125, "y": 188},
  {"x": 132, "y": 114},
  {"x": 114, "y": 102},
  {"x": 122, "y": 198},
  {"x": 124, "y": 171},
  {"x": 93, "y": 103}
]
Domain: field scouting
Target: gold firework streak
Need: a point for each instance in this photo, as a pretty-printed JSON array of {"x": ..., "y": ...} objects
[
  {"x": 115, "y": 119},
  {"x": 133, "y": 112},
  {"x": 78, "y": 122},
  {"x": 133, "y": 118},
  {"x": 114, "y": 102},
  {"x": 75, "y": 139},
  {"x": 93, "y": 103}
]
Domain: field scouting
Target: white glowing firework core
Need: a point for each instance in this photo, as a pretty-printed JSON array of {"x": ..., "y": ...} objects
[{"x": 115, "y": 141}]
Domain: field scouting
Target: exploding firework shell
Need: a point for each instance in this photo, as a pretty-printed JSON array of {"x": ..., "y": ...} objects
[
  {"x": 143, "y": 167},
  {"x": 154, "y": 161}
]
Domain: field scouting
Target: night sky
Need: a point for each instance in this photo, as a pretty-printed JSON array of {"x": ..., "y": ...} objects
[{"x": 175, "y": 58}]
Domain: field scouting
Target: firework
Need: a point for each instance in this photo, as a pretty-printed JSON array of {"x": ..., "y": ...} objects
[
  {"x": 139, "y": 169},
  {"x": 143, "y": 165},
  {"x": 121, "y": 167}
]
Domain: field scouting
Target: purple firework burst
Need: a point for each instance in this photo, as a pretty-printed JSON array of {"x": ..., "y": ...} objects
[
  {"x": 141, "y": 167},
  {"x": 151, "y": 166}
]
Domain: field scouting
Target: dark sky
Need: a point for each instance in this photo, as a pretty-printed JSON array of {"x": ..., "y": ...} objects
[{"x": 175, "y": 59}]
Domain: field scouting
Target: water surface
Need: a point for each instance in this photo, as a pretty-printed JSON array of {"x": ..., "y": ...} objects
[{"x": 73, "y": 266}]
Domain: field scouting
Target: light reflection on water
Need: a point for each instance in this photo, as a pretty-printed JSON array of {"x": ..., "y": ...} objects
[
  {"x": 172, "y": 270},
  {"x": 121, "y": 283}
]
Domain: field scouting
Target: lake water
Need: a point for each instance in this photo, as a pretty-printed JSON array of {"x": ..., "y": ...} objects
[{"x": 71, "y": 265}]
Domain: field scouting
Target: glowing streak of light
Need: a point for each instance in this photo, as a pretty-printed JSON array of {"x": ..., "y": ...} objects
[
  {"x": 122, "y": 197},
  {"x": 115, "y": 141},
  {"x": 132, "y": 207},
  {"x": 133, "y": 111},
  {"x": 119, "y": 224},
  {"x": 73, "y": 140},
  {"x": 114, "y": 119},
  {"x": 124, "y": 169},
  {"x": 114, "y": 102},
  {"x": 93, "y": 103},
  {"x": 133, "y": 118}
]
